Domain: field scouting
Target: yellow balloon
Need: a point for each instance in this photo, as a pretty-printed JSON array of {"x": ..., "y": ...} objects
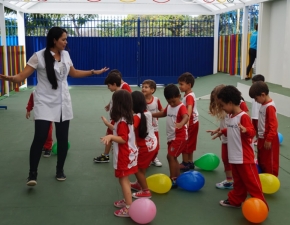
[
  {"x": 270, "y": 183},
  {"x": 159, "y": 183}
]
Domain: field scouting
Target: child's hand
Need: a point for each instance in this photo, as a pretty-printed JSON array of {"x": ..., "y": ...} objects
[
  {"x": 107, "y": 107},
  {"x": 242, "y": 128},
  {"x": 178, "y": 125},
  {"x": 267, "y": 145},
  {"x": 27, "y": 115},
  {"x": 218, "y": 135},
  {"x": 104, "y": 120},
  {"x": 106, "y": 140},
  {"x": 212, "y": 132}
]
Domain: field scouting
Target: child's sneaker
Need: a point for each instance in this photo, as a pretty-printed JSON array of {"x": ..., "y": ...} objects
[
  {"x": 174, "y": 184},
  {"x": 142, "y": 194},
  {"x": 184, "y": 167},
  {"x": 31, "y": 180},
  {"x": 225, "y": 185},
  {"x": 226, "y": 203},
  {"x": 124, "y": 212},
  {"x": 156, "y": 162},
  {"x": 120, "y": 203},
  {"x": 47, "y": 153},
  {"x": 136, "y": 186},
  {"x": 256, "y": 142},
  {"x": 102, "y": 159},
  {"x": 191, "y": 165}
]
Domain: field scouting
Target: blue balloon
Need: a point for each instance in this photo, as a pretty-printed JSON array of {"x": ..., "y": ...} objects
[
  {"x": 191, "y": 181},
  {"x": 259, "y": 168},
  {"x": 281, "y": 138}
]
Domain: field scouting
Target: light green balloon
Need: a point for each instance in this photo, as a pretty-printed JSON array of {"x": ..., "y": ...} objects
[
  {"x": 54, "y": 148},
  {"x": 207, "y": 162}
]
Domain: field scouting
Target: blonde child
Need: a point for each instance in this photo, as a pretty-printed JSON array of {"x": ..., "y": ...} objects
[
  {"x": 153, "y": 105},
  {"x": 186, "y": 82},
  {"x": 216, "y": 110},
  {"x": 146, "y": 142},
  {"x": 125, "y": 150}
]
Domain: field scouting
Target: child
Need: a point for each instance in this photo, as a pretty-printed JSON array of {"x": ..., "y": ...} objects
[
  {"x": 113, "y": 80},
  {"x": 146, "y": 142},
  {"x": 153, "y": 105},
  {"x": 176, "y": 129},
  {"x": 48, "y": 143},
  {"x": 217, "y": 111},
  {"x": 268, "y": 142},
  {"x": 240, "y": 132},
  {"x": 186, "y": 82},
  {"x": 125, "y": 150},
  {"x": 256, "y": 106}
]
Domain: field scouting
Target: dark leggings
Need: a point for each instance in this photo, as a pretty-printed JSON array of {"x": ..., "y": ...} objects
[
  {"x": 252, "y": 57},
  {"x": 40, "y": 136}
]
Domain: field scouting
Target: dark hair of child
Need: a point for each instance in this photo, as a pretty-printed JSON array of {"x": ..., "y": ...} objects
[
  {"x": 187, "y": 78},
  {"x": 116, "y": 71},
  {"x": 151, "y": 84},
  {"x": 122, "y": 106},
  {"x": 171, "y": 91},
  {"x": 258, "y": 88},
  {"x": 139, "y": 106},
  {"x": 230, "y": 94},
  {"x": 113, "y": 78},
  {"x": 258, "y": 77}
]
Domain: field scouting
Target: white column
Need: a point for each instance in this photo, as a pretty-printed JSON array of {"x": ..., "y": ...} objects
[
  {"x": 286, "y": 57},
  {"x": 244, "y": 46},
  {"x": 3, "y": 41},
  {"x": 21, "y": 34},
  {"x": 216, "y": 43}
]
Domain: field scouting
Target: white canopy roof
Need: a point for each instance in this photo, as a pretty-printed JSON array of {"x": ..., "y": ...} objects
[{"x": 169, "y": 7}]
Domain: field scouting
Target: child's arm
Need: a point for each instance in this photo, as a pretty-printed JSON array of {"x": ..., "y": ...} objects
[
  {"x": 29, "y": 106},
  {"x": 272, "y": 124},
  {"x": 159, "y": 114},
  {"x": 159, "y": 106},
  {"x": 244, "y": 107},
  {"x": 107, "y": 139},
  {"x": 247, "y": 127},
  {"x": 107, "y": 107},
  {"x": 106, "y": 122},
  {"x": 213, "y": 132},
  {"x": 183, "y": 121},
  {"x": 220, "y": 133}
]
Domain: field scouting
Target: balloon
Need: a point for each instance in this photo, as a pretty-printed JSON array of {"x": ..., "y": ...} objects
[
  {"x": 159, "y": 183},
  {"x": 259, "y": 168},
  {"x": 208, "y": 162},
  {"x": 281, "y": 138},
  {"x": 191, "y": 181},
  {"x": 54, "y": 148},
  {"x": 255, "y": 210},
  {"x": 270, "y": 183},
  {"x": 142, "y": 211}
]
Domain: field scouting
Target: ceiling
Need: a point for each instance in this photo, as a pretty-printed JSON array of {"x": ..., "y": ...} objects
[{"x": 117, "y": 7}]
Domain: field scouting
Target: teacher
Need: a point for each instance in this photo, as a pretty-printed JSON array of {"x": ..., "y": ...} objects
[
  {"x": 52, "y": 101},
  {"x": 252, "y": 51}
]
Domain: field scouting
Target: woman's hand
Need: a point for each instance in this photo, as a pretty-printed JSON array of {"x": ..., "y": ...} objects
[
  {"x": 7, "y": 78},
  {"x": 105, "y": 69}
]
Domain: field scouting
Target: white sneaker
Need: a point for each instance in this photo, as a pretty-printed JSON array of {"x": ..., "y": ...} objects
[
  {"x": 156, "y": 162},
  {"x": 224, "y": 185}
]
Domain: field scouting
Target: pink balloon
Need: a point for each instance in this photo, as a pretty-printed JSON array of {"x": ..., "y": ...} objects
[{"x": 142, "y": 211}]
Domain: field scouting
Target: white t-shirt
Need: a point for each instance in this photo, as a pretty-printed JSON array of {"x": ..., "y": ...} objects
[
  {"x": 255, "y": 109},
  {"x": 50, "y": 104}
]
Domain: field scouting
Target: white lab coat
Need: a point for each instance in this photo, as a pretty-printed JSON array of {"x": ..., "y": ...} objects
[{"x": 50, "y": 104}]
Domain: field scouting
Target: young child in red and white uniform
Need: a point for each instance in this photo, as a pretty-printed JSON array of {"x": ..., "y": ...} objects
[
  {"x": 186, "y": 82},
  {"x": 153, "y": 105},
  {"x": 125, "y": 150},
  {"x": 113, "y": 81},
  {"x": 146, "y": 142},
  {"x": 216, "y": 110},
  {"x": 124, "y": 85},
  {"x": 239, "y": 132},
  {"x": 48, "y": 143},
  {"x": 268, "y": 142},
  {"x": 176, "y": 129},
  {"x": 256, "y": 107}
]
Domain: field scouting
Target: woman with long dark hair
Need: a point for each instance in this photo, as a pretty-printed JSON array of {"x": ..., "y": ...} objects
[{"x": 52, "y": 100}]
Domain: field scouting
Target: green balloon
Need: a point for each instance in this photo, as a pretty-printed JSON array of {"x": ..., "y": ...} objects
[
  {"x": 54, "y": 148},
  {"x": 207, "y": 162}
]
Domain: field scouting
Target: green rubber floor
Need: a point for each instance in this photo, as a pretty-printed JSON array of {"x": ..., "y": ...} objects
[{"x": 87, "y": 196}]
